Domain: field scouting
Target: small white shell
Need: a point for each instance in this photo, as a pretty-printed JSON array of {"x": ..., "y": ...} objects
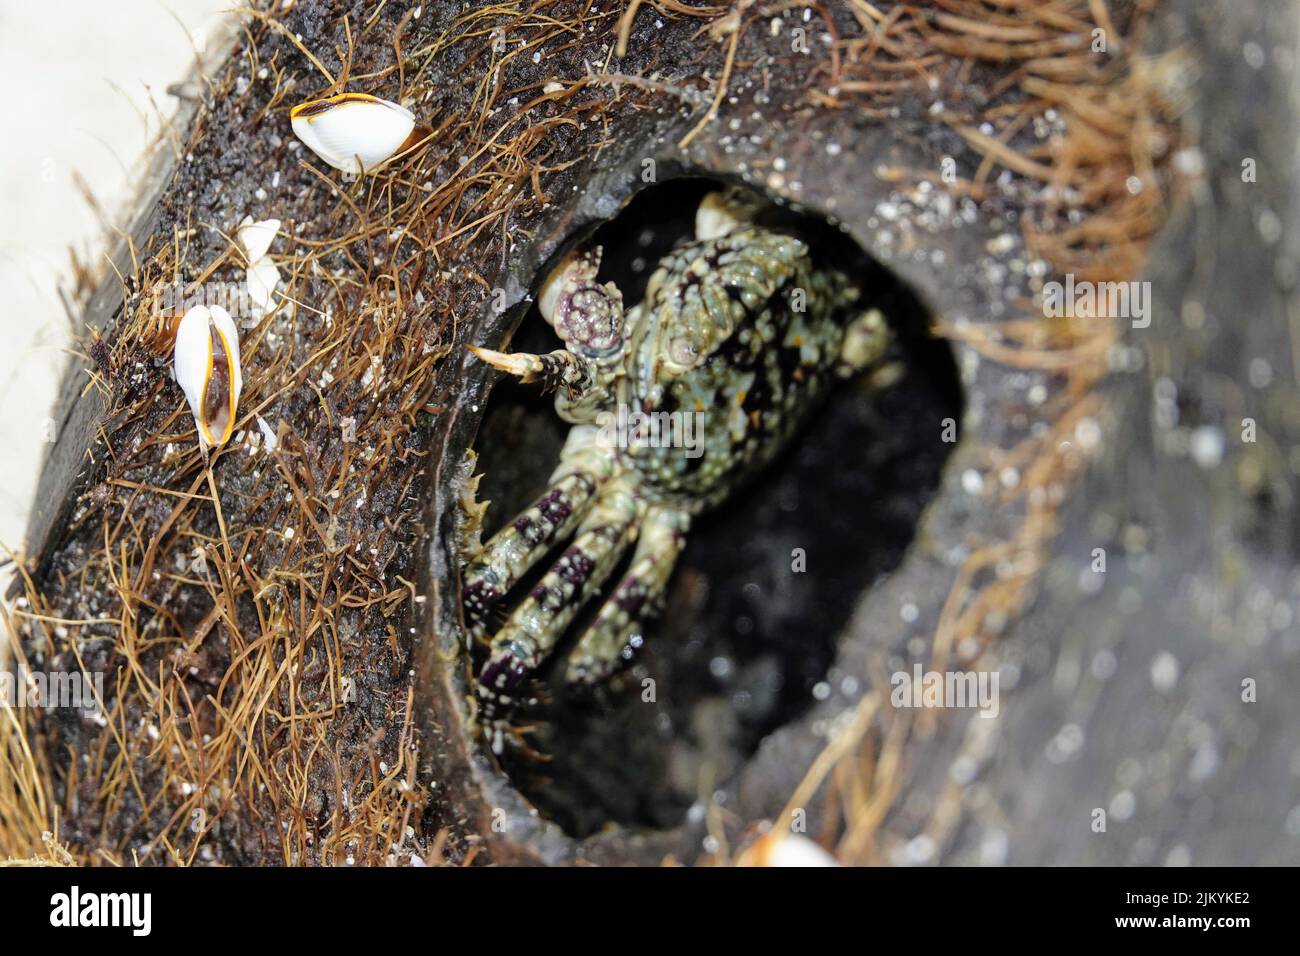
[
  {"x": 255, "y": 237},
  {"x": 270, "y": 441},
  {"x": 352, "y": 127},
  {"x": 207, "y": 369},
  {"x": 263, "y": 277},
  {"x": 780, "y": 848}
]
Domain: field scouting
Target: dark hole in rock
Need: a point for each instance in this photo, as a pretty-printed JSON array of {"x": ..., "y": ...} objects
[{"x": 745, "y": 639}]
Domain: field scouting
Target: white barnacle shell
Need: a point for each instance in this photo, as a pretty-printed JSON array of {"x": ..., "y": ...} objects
[
  {"x": 778, "y": 848},
  {"x": 355, "y": 132},
  {"x": 262, "y": 276},
  {"x": 207, "y": 369},
  {"x": 255, "y": 237}
]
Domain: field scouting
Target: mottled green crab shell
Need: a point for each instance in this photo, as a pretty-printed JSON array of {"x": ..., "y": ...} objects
[{"x": 742, "y": 332}]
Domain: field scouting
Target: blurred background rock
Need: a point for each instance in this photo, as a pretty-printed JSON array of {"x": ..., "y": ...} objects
[{"x": 87, "y": 96}]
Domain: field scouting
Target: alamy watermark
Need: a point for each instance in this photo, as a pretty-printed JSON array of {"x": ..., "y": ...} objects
[
  {"x": 177, "y": 298},
  {"x": 133, "y": 911},
  {"x": 1084, "y": 299},
  {"x": 49, "y": 689},
  {"x": 637, "y": 429},
  {"x": 924, "y": 689}
]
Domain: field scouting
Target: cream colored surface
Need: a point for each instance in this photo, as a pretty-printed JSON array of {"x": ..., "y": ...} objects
[{"x": 85, "y": 84}]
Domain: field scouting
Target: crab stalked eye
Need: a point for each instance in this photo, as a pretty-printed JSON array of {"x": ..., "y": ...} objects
[
  {"x": 207, "y": 369},
  {"x": 356, "y": 132}
]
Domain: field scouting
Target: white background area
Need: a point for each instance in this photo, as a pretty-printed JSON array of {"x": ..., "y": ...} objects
[{"x": 84, "y": 85}]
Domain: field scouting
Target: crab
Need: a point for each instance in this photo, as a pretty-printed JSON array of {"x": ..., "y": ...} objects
[{"x": 674, "y": 404}]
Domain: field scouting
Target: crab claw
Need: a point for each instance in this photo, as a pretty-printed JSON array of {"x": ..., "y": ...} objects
[
  {"x": 587, "y": 315},
  {"x": 523, "y": 364},
  {"x": 558, "y": 369},
  {"x": 577, "y": 269}
]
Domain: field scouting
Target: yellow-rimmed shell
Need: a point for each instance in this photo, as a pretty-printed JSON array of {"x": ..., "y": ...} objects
[
  {"x": 206, "y": 362},
  {"x": 356, "y": 132}
]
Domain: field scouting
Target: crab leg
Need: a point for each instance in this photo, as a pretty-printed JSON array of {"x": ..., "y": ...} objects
[
  {"x": 537, "y": 624},
  {"x": 601, "y": 648},
  {"x": 550, "y": 519}
]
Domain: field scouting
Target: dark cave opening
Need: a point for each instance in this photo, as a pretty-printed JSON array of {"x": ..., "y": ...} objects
[{"x": 766, "y": 582}]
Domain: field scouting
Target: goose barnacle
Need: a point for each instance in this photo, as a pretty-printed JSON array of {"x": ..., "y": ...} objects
[
  {"x": 262, "y": 277},
  {"x": 356, "y": 132},
  {"x": 207, "y": 369},
  {"x": 255, "y": 237}
]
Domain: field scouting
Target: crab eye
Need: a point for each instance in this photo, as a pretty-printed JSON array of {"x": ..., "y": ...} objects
[{"x": 683, "y": 351}]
